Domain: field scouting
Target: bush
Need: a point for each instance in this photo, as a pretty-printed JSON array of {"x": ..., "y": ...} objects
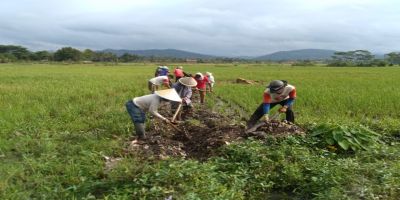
[{"x": 345, "y": 137}]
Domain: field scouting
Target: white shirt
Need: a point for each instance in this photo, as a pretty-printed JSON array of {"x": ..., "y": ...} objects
[
  {"x": 211, "y": 79},
  {"x": 159, "y": 80},
  {"x": 149, "y": 103}
]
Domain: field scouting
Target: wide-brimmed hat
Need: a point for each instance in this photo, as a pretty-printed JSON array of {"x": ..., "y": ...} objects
[
  {"x": 169, "y": 94},
  {"x": 208, "y": 73},
  {"x": 188, "y": 81}
]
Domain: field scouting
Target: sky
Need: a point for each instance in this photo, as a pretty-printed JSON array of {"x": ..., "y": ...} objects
[{"x": 214, "y": 27}]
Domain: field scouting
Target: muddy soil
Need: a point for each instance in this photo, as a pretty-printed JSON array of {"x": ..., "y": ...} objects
[{"x": 201, "y": 135}]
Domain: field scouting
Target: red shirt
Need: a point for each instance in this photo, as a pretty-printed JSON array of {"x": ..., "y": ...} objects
[
  {"x": 178, "y": 72},
  {"x": 201, "y": 84}
]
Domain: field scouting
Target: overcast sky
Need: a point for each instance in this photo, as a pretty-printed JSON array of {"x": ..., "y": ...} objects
[{"x": 218, "y": 27}]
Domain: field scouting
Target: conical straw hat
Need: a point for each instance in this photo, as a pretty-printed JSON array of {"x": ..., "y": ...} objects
[
  {"x": 169, "y": 94},
  {"x": 188, "y": 81}
]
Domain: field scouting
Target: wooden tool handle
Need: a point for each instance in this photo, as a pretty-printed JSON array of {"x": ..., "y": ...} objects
[{"x": 176, "y": 113}]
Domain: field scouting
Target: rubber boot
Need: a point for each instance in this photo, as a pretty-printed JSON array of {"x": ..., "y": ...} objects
[
  {"x": 140, "y": 132},
  {"x": 290, "y": 115}
]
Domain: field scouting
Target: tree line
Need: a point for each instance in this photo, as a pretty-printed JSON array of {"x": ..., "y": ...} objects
[
  {"x": 12, "y": 53},
  {"x": 363, "y": 58}
]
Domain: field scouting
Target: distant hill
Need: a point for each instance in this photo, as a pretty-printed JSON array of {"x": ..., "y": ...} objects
[
  {"x": 165, "y": 53},
  {"x": 302, "y": 54}
]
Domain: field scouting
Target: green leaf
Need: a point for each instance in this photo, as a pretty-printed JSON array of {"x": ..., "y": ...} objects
[
  {"x": 344, "y": 144},
  {"x": 337, "y": 135},
  {"x": 330, "y": 141},
  {"x": 346, "y": 131}
]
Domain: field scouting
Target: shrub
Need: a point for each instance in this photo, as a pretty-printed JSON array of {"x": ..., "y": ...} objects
[{"x": 345, "y": 137}]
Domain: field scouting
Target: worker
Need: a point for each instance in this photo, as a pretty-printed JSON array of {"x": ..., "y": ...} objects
[
  {"x": 277, "y": 92},
  {"x": 201, "y": 85},
  {"x": 178, "y": 72},
  {"x": 211, "y": 81},
  {"x": 184, "y": 88},
  {"x": 157, "y": 72},
  {"x": 156, "y": 82},
  {"x": 138, "y": 106},
  {"x": 161, "y": 70}
]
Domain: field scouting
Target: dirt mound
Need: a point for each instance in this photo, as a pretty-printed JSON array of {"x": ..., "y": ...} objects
[
  {"x": 201, "y": 135},
  {"x": 244, "y": 81},
  {"x": 277, "y": 128}
]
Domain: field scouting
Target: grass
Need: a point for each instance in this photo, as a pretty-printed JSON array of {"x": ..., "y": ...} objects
[{"x": 58, "y": 121}]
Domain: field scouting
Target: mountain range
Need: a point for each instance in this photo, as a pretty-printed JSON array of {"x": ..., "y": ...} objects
[
  {"x": 301, "y": 54},
  {"x": 165, "y": 53}
]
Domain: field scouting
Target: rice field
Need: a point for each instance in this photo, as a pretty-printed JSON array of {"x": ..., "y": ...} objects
[{"x": 58, "y": 121}]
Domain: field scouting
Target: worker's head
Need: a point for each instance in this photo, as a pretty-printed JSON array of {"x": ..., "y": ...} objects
[
  {"x": 180, "y": 67},
  {"x": 168, "y": 95},
  {"x": 198, "y": 76},
  {"x": 187, "y": 81},
  {"x": 277, "y": 86},
  {"x": 208, "y": 74}
]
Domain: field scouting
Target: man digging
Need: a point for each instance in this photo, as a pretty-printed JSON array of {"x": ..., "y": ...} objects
[
  {"x": 138, "y": 106},
  {"x": 277, "y": 92},
  {"x": 184, "y": 88}
]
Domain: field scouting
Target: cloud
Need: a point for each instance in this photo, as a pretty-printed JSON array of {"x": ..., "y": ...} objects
[{"x": 230, "y": 28}]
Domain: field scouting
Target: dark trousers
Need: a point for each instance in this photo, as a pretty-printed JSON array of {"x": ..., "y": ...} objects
[
  {"x": 137, "y": 115},
  {"x": 138, "y": 118},
  {"x": 260, "y": 112},
  {"x": 177, "y": 78}
]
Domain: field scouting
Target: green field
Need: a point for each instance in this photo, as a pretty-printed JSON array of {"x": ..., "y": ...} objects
[{"x": 58, "y": 121}]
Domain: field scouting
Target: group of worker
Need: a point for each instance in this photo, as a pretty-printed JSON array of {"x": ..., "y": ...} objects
[{"x": 179, "y": 95}]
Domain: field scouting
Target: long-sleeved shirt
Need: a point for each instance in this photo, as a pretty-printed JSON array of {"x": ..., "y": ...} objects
[
  {"x": 211, "y": 80},
  {"x": 289, "y": 92},
  {"x": 184, "y": 92},
  {"x": 149, "y": 103},
  {"x": 201, "y": 83},
  {"x": 159, "y": 80}
]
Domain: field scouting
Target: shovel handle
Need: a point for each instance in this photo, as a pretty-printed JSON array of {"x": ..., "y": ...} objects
[
  {"x": 174, "y": 127},
  {"x": 176, "y": 112},
  {"x": 275, "y": 116}
]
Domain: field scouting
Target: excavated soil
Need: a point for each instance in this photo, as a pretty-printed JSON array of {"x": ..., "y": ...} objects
[{"x": 201, "y": 135}]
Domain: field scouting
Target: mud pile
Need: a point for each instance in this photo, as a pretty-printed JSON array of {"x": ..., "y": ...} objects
[
  {"x": 277, "y": 128},
  {"x": 199, "y": 138},
  {"x": 200, "y": 135}
]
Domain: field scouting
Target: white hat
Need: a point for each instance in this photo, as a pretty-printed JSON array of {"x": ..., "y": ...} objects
[
  {"x": 200, "y": 74},
  {"x": 180, "y": 67},
  {"x": 169, "y": 94},
  {"x": 188, "y": 81},
  {"x": 208, "y": 73}
]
